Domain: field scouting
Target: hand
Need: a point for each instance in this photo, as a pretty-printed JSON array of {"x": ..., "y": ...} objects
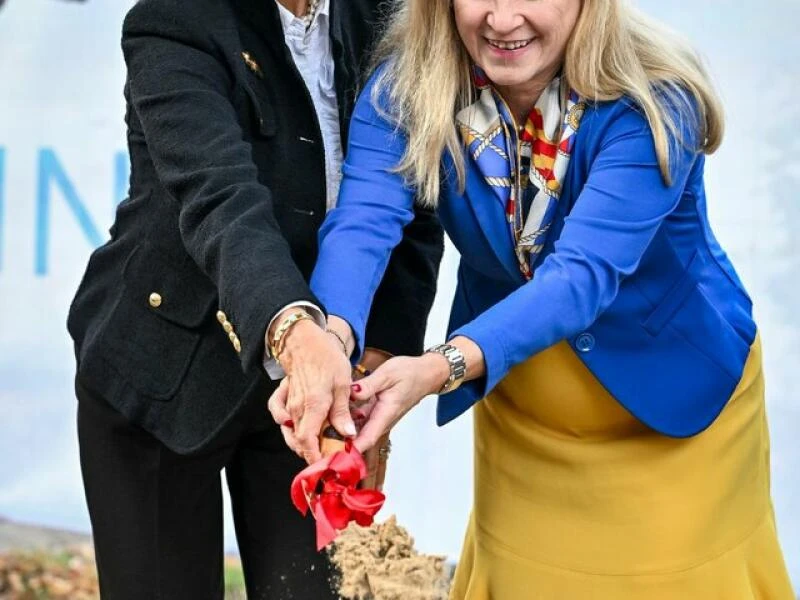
[
  {"x": 375, "y": 458},
  {"x": 316, "y": 388},
  {"x": 394, "y": 389}
]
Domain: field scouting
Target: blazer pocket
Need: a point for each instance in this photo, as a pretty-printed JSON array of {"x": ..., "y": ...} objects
[
  {"x": 687, "y": 311},
  {"x": 154, "y": 330},
  {"x": 674, "y": 299}
]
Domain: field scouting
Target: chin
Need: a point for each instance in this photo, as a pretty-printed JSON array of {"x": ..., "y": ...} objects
[{"x": 507, "y": 77}]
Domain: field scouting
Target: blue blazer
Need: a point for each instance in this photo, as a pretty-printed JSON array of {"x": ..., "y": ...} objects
[{"x": 632, "y": 276}]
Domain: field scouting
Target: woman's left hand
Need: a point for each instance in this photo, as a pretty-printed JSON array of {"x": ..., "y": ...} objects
[{"x": 394, "y": 389}]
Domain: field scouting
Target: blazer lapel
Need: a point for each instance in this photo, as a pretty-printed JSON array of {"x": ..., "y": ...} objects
[
  {"x": 344, "y": 64},
  {"x": 263, "y": 17},
  {"x": 490, "y": 216}
]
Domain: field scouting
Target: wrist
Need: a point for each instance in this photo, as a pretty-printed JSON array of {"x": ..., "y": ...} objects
[
  {"x": 437, "y": 370},
  {"x": 290, "y": 334},
  {"x": 277, "y": 321},
  {"x": 342, "y": 330},
  {"x": 473, "y": 357},
  {"x": 296, "y": 339},
  {"x": 340, "y": 339},
  {"x": 456, "y": 363}
]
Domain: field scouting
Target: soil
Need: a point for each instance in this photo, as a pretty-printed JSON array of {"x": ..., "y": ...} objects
[{"x": 381, "y": 563}]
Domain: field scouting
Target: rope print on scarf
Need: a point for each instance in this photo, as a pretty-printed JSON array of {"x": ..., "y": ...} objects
[{"x": 504, "y": 155}]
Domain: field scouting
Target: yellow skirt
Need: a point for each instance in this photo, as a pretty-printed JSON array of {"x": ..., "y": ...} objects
[{"x": 576, "y": 500}]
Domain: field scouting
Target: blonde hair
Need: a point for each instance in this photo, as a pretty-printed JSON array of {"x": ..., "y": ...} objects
[{"x": 613, "y": 51}]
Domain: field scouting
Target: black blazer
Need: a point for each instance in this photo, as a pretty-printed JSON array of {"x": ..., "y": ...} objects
[{"x": 227, "y": 193}]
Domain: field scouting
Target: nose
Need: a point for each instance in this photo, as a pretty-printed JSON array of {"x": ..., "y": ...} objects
[{"x": 503, "y": 17}]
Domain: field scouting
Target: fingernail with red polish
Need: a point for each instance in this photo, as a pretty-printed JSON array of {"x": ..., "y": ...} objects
[
  {"x": 288, "y": 423},
  {"x": 356, "y": 387}
]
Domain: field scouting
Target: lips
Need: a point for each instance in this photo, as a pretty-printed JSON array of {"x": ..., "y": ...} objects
[{"x": 509, "y": 45}]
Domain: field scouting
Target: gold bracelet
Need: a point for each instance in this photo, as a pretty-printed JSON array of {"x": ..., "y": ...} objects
[
  {"x": 340, "y": 338},
  {"x": 278, "y": 340}
]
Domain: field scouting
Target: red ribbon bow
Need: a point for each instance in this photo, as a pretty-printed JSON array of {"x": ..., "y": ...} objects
[{"x": 328, "y": 488}]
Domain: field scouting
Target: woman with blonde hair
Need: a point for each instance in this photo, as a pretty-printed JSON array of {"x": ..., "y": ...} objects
[{"x": 599, "y": 330}]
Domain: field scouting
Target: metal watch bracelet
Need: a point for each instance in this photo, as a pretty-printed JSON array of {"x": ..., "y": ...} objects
[{"x": 458, "y": 366}]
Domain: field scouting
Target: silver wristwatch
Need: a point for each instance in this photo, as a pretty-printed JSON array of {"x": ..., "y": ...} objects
[{"x": 458, "y": 366}]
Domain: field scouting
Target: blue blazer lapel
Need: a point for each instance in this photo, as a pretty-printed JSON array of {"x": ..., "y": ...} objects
[{"x": 489, "y": 213}]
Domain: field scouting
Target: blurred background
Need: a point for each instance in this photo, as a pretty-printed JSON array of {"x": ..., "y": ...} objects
[{"x": 63, "y": 169}]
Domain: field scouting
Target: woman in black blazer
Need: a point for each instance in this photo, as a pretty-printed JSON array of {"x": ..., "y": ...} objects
[{"x": 219, "y": 234}]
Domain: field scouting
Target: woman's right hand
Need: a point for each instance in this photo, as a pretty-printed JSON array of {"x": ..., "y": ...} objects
[
  {"x": 316, "y": 388},
  {"x": 396, "y": 387},
  {"x": 400, "y": 383}
]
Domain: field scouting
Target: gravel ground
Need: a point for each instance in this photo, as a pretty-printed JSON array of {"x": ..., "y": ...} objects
[
  {"x": 19, "y": 537},
  {"x": 43, "y": 563}
]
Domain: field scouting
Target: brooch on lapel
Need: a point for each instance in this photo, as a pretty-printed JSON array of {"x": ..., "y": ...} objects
[{"x": 252, "y": 64}]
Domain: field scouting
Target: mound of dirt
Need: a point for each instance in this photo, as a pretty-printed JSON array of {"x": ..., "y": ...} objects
[{"x": 380, "y": 563}]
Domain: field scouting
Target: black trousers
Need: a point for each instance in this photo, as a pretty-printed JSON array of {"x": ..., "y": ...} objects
[{"x": 157, "y": 516}]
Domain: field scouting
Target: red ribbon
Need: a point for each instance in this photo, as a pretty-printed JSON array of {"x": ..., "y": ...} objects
[{"x": 328, "y": 489}]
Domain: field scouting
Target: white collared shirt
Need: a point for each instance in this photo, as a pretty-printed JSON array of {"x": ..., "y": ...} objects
[{"x": 313, "y": 55}]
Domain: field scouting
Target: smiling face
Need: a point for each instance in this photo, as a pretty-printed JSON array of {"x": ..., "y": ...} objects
[{"x": 519, "y": 44}]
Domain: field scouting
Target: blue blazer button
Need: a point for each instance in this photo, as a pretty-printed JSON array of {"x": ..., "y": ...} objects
[{"x": 585, "y": 342}]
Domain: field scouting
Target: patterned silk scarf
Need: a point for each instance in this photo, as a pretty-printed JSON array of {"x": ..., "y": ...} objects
[{"x": 525, "y": 167}]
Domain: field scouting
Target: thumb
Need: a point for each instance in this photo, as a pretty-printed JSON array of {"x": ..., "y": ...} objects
[{"x": 371, "y": 385}]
